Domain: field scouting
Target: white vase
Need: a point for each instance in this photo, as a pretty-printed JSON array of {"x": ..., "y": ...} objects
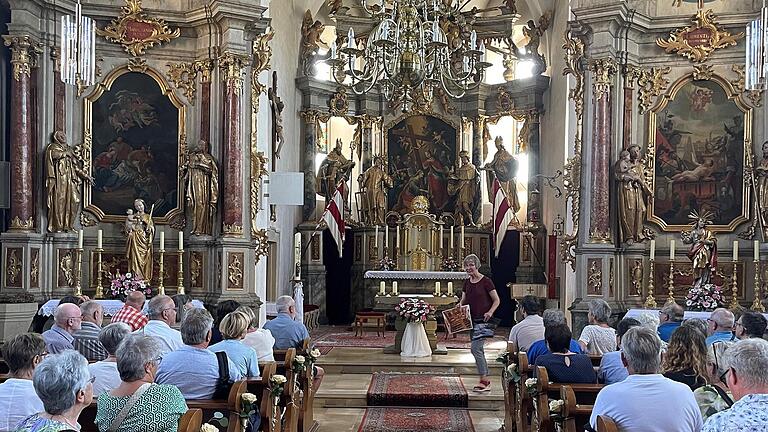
[{"x": 415, "y": 342}]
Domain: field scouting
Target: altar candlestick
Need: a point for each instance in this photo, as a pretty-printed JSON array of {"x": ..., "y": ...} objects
[
  {"x": 450, "y": 289},
  {"x": 437, "y": 289},
  {"x": 757, "y": 250},
  {"x": 98, "y": 240},
  {"x": 376, "y": 237},
  {"x": 735, "y": 250},
  {"x": 653, "y": 250},
  {"x": 451, "y": 238},
  {"x": 382, "y": 288},
  {"x": 441, "y": 237},
  {"x": 80, "y": 240},
  {"x": 671, "y": 250},
  {"x": 296, "y": 250},
  {"x": 181, "y": 240},
  {"x": 394, "y": 288},
  {"x": 162, "y": 240},
  {"x": 397, "y": 236}
]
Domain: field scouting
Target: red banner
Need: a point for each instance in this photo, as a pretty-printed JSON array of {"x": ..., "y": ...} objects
[{"x": 552, "y": 267}]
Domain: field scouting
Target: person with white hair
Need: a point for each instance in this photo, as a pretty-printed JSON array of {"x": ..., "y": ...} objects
[
  {"x": 671, "y": 317},
  {"x": 747, "y": 363},
  {"x": 105, "y": 371},
  {"x": 550, "y": 318},
  {"x": 67, "y": 320},
  {"x": 720, "y": 326},
  {"x": 598, "y": 337},
  {"x": 288, "y": 332},
  {"x": 87, "y": 338},
  {"x": 162, "y": 315},
  {"x": 64, "y": 385},
  {"x": 646, "y": 401}
]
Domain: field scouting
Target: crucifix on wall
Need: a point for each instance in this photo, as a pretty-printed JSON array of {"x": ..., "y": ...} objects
[{"x": 276, "y": 105}]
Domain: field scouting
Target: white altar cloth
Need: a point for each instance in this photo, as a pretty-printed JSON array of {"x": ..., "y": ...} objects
[
  {"x": 110, "y": 306},
  {"x": 634, "y": 313},
  {"x": 415, "y": 275}
]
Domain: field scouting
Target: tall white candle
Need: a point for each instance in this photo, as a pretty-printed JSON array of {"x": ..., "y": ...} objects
[
  {"x": 376, "y": 237},
  {"x": 441, "y": 237},
  {"x": 437, "y": 288},
  {"x": 671, "y": 250},
  {"x": 653, "y": 250},
  {"x": 451, "y": 237},
  {"x": 397, "y": 236},
  {"x": 386, "y": 239},
  {"x": 181, "y": 240},
  {"x": 450, "y": 288},
  {"x": 394, "y": 288},
  {"x": 162, "y": 240},
  {"x": 98, "y": 239},
  {"x": 461, "y": 240},
  {"x": 735, "y": 250},
  {"x": 296, "y": 249},
  {"x": 757, "y": 250},
  {"x": 382, "y": 288},
  {"x": 80, "y": 240}
]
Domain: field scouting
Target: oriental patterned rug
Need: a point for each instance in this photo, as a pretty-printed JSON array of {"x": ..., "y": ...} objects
[
  {"x": 416, "y": 420},
  {"x": 417, "y": 389}
]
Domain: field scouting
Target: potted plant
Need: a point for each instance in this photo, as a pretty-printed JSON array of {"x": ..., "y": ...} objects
[{"x": 16, "y": 313}]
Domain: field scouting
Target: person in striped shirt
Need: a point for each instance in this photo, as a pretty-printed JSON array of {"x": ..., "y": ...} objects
[{"x": 87, "y": 338}]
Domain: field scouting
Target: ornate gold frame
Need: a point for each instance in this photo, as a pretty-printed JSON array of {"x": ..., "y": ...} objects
[
  {"x": 650, "y": 159},
  {"x": 99, "y": 90},
  {"x": 703, "y": 21},
  {"x": 117, "y": 30},
  {"x": 385, "y": 129}
]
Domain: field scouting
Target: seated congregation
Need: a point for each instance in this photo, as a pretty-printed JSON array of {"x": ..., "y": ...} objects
[
  {"x": 650, "y": 373},
  {"x": 159, "y": 372}
]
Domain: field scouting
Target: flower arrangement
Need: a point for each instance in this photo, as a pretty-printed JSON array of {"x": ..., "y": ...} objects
[
  {"x": 556, "y": 410},
  {"x": 706, "y": 297},
  {"x": 276, "y": 385},
  {"x": 312, "y": 356},
  {"x": 122, "y": 284},
  {"x": 414, "y": 310},
  {"x": 530, "y": 385},
  {"x": 299, "y": 364},
  {"x": 207, "y": 427},
  {"x": 450, "y": 264},
  {"x": 386, "y": 263},
  {"x": 248, "y": 405}
]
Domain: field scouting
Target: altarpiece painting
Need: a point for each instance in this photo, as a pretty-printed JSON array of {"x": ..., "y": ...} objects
[
  {"x": 136, "y": 125},
  {"x": 698, "y": 137},
  {"x": 421, "y": 152}
]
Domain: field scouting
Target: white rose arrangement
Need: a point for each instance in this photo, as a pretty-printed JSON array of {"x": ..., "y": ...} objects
[
  {"x": 531, "y": 383},
  {"x": 207, "y": 427},
  {"x": 315, "y": 353},
  {"x": 249, "y": 397},
  {"x": 556, "y": 406},
  {"x": 278, "y": 379},
  {"x": 299, "y": 359}
]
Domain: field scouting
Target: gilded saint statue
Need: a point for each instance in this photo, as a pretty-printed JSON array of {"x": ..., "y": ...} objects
[
  {"x": 504, "y": 168},
  {"x": 374, "y": 183},
  {"x": 761, "y": 189},
  {"x": 703, "y": 250},
  {"x": 336, "y": 168},
  {"x": 633, "y": 192},
  {"x": 201, "y": 176},
  {"x": 141, "y": 233},
  {"x": 64, "y": 174},
  {"x": 464, "y": 183}
]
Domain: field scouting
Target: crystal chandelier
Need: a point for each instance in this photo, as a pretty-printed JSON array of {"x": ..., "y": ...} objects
[
  {"x": 757, "y": 52},
  {"x": 408, "y": 55},
  {"x": 78, "y": 48}
]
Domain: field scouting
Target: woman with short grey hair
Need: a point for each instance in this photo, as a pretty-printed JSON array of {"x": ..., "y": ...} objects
[
  {"x": 153, "y": 407},
  {"x": 598, "y": 337},
  {"x": 105, "y": 371},
  {"x": 63, "y": 383}
]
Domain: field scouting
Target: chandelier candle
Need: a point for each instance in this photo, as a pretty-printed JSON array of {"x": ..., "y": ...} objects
[
  {"x": 671, "y": 250},
  {"x": 735, "y": 250},
  {"x": 653, "y": 249},
  {"x": 437, "y": 289}
]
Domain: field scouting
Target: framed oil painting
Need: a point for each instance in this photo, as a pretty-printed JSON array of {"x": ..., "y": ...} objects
[
  {"x": 697, "y": 154},
  {"x": 135, "y": 141},
  {"x": 421, "y": 151}
]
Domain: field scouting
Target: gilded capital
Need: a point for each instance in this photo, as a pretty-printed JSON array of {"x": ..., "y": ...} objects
[
  {"x": 21, "y": 54},
  {"x": 204, "y": 67},
  {"x": 232, "y": 66},
  {"x": 603, "y": 71}
]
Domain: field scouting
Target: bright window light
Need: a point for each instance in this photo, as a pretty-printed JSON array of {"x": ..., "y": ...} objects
[{"x": 524, "y": 69}]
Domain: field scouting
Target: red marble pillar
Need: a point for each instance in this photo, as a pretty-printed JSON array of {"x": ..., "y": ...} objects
[
  {"x": 22, "y": 157},
  {"x": 232, "y": 66},
  {"x": 205, "y": 100},
  {"x": 600, "y": 222},
  {"x": 59, "y": 95}
]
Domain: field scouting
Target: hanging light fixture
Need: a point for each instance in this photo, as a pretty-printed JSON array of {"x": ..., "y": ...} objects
[
  {"x": 756, "y": 75},
  {"x": 78, "y": 48},
  {"x": 407, "y": 54}
]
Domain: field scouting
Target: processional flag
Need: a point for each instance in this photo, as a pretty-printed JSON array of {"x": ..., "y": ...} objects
[
  {"x": 502, "y": 215},
  {"x": 333, "y": 216}
]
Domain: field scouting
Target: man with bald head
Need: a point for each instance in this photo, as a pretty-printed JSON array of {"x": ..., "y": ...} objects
[
  {"x": 131, "y": 312},
  {"x": 67, "y": 320},
  {"x": 162, "y": 315},
  {"x": 720, "y": 326}
]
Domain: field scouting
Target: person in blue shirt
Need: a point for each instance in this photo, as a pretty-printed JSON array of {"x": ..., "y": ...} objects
[
  {"x": 289, "y": 333},
  {"x": 720, "y": 326},
  {"x": 233, "y": 329},
  {"x": 612, "y": 369},
  {"x": 550, "y": 317},
  {"x": 670, "y": 318}
]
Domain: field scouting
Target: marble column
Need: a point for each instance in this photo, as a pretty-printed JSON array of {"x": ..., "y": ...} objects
[
  {"x": 309, "y": 126},
  {"x": 23, "y": 156},
  {"x": 476, "y": 154},
  {"x": 603, "y": 71},
  {"x": 205, "y": 67},
  {"x": 59, "y": 94},
  {"x": 366, "y": 138},
  {"x": 232, "y": 66}
]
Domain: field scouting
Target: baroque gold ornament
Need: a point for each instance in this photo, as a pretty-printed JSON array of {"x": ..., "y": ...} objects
[
  {"x": 699, "y": 41},
  {"x": 136, "y": 31},
  {"x": 184, "y": 77}
]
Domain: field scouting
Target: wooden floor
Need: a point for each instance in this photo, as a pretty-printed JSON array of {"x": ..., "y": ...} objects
[{"x": 341, "y": 400}]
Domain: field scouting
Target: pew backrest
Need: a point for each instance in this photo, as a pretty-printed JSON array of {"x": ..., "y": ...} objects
[
  {"x": 606, "y": 424},
  {"x": 191, "y": 421}
]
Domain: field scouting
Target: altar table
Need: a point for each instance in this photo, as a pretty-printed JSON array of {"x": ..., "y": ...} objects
[
  {"x": 702, "y": 315},
  {"x": 110, "y": 306}
]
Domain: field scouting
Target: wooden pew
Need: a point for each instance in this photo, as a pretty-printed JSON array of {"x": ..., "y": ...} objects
[
  {"x": 307, "y": 422},
  {"x": 524, "y": 403},
  {"x": 290, "y": 399},
  {"x": 575, "y": 415},
  {"x": 544, "y": 388},
  {"x": 509, "y": 390},
  {"x": 260, "y": 387},
  {"x": 191, "y": 421},
  {"x": 606, "y": 424},
  {"x": 229, "y": 407},
  {"x": 595, "y": 359}
]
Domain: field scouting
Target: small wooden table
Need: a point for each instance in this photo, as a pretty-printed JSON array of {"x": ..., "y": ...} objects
[{"x": 371, "y": 320}]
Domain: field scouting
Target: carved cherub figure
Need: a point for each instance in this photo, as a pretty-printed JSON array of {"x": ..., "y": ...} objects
[
  {"x": 310, "y": 37},
  {"x": 534, "y": 33}
]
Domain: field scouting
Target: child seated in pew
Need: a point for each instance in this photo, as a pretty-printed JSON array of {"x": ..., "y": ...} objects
[{"x": 564, "y": 366}]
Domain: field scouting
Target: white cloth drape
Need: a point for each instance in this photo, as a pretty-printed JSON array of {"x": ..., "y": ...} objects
[
  {"x": 415, "y": 342},
  {"x": 298, "y": 297}
]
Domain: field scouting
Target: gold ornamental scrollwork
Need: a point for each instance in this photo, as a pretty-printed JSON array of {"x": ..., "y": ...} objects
[
  {"x": 504, "y": 101},
  {"x": 652, "y": 83},
  {"x": 603, "y": 70},
  {"x": 235, "y": 270},
  {"x": 574, "y": 60},
  {"x": 338, "y": 105},
  {"x": 699, "y": 41},
  {"x": 195, "y": 269},
  {"x": 262, "y": 57},
  {"x": 703, "y": 72},
  {"x": 136, "y": 64},
  {"x": 595, "y": 277},
  {"x": 19, "y": 225},
  {"x": 136, "y": 31},
  {"x": 740, "y": 81},
  {"x": 258, "y": 170},
  {"x": 34, "y": 269},
  {"x": 21, "y": 61},
  {"x": 233, "y": 229},
  {"x": 261, "y": 244},
  {"x": 184, "y": 77},
  {"x": 232, "y": 66},
  {"x": 13, "y": 267}
]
